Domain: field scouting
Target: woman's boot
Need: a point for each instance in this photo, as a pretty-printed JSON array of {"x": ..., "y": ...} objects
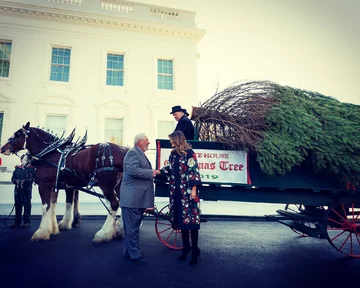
[
  {"x": 186, "y": 244},
  {"x": 195, "y": 249},
  {"x": 195, "y": 256}
]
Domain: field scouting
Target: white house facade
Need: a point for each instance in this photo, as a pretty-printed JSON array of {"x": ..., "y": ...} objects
[{"x": 113, "y": 68}]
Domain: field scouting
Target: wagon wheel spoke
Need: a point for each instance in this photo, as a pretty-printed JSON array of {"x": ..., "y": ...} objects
[
  {"x": 343, "y": 228},
  {"x": 164, "y": 230}
]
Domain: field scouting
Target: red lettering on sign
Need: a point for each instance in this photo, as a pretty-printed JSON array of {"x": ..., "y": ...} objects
[{"x": 225, "y": 165}]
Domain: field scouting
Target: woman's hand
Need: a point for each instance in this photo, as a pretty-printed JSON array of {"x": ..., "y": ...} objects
[{"x": 193, "y": 193}]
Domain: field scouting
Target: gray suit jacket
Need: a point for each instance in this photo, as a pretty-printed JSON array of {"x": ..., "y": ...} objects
[{"x": 137, "y": 189}]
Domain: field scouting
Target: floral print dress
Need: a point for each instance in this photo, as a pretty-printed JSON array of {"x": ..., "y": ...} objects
[{"x": 182, "y": 173}]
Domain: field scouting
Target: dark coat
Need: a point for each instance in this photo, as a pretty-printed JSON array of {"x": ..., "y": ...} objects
[
  {"x": 27, "y": 175},
  {"x": 185, "y": 125}
]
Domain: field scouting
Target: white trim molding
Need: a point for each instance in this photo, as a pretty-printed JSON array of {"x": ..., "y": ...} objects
[{"x": 114, "y": 21}]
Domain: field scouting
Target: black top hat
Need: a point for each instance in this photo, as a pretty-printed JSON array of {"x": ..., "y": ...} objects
[{"x": 177, "y": 109}]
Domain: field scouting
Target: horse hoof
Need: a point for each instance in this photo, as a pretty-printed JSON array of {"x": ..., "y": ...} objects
[
  {"x": 40, "y": 236},
  {"x": 101, "y": 237},
  {"x": 63, "y": 226},
  {"x": 55, "y": 232}
]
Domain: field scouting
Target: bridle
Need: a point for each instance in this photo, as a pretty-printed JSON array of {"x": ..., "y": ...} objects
[{"x": 15, "y": 139}]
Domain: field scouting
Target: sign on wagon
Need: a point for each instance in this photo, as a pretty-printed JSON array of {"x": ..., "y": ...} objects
[{"x": 217, "y": 166}]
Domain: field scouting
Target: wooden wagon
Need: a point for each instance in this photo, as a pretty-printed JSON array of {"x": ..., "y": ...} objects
[{"x": 314, "y": 205}]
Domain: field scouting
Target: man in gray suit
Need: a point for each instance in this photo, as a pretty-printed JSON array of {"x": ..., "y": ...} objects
[{"x": 136, "y": 194}]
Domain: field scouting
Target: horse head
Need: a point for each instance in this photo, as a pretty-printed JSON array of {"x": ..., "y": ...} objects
[
  {"x": 30, "y": 138},
  {"x": 17, "y": 142}
]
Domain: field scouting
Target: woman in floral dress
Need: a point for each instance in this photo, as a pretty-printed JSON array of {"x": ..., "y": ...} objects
[{"x": 182, "y": 173}]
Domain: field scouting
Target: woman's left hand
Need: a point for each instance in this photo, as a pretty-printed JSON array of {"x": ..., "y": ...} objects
[{"x": 193, "y": 194}]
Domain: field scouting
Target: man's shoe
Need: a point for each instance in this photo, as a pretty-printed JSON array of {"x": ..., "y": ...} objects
[
  {"x": 139, "y": 261},
  {"x": 25, "y": 225},
  {"x": 15, "y": 225}
]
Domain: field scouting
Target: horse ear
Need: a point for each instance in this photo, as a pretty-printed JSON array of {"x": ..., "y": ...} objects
[{"x": 27, "y": 125}]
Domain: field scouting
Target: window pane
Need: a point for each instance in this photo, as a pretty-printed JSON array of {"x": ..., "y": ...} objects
[
  {"x": 60, "y": 64},
  {"x": 5, "y": 53},
  {"x": 165, "y": 74},
  {"x": 115, "y": 70},
  {"x": 56, "y": 124},
  {"x": 165, "y": 128},
  {"x": 114, "y": 130}
]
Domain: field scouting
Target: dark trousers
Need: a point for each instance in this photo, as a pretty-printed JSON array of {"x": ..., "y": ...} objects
[{"x": 22, "y": 199}]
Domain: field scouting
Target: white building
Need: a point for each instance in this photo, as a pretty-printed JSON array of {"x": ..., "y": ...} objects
[{"x": 113, "y": 67}]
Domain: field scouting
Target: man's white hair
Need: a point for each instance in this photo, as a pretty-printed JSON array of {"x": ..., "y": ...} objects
[{"x": 139, "y": 137}]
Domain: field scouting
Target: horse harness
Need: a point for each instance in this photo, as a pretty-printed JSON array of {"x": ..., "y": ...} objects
[{"x": 72, "y": 149}]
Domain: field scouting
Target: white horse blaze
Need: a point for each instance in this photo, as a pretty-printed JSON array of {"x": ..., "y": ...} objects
[
  {"x": 7, "y": 152},
  {"x": 111, "y": 229},
  {"x": 66, "y": 221},
  {"x": 47, "y": 224}
]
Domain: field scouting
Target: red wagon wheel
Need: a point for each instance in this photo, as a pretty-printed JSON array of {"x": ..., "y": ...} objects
[
  {"x": 343, "y": 228},
  {"x": 167, "y": 235}
]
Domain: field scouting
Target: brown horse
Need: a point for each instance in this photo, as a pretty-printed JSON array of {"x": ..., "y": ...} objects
[{"x": 62, "y": 164}]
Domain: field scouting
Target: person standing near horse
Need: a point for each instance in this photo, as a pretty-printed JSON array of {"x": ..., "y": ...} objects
[
  {"x": 182, "y": 173},
  {"x": 23, "y": 178},
  {"x": 137, "y": 194},
  {"x": 184, "y": 123}
]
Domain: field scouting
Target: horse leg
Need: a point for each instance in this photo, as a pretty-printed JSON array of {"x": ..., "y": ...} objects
[
  {"x": 77, "y": 215},
  {"x": 46, "y": 224},
  {"x": 67, "y": 220},
  {"x": 54, "y": 225},
  {"x": 117, "y": 188},
  {"x": 112, "y": 227}
]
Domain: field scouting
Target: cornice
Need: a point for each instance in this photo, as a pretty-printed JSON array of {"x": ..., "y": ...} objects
[{"x": 35, "y": 12}]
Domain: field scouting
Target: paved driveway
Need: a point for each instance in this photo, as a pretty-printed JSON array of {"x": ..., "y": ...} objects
[{"x": 234, "y": 254}]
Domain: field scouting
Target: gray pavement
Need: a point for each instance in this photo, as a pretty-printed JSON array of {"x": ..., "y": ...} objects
[{"x": 233, "y": 254}]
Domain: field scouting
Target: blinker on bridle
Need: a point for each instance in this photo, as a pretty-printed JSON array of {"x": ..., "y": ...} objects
[{"x": 17, "y": 136}]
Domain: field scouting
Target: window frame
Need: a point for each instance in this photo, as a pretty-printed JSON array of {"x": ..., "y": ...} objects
[
  {"x": 157, "y": 127},
  {"x": 115, "y": 70},
  {"x": 60, "y": 65},
  {"x": 164, "y": 74},
  {"x": 122, "y": 131},
  {"x": 57, "y": 115},
  {"x": 10, "y": 60}
]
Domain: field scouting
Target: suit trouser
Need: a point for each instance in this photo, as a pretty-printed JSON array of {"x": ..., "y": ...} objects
[{"x": 132, "y": 220}]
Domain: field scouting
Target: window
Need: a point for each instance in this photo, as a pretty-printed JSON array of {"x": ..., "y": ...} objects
[
  {"x": 114, "y": 130},
  {"x": 56, "y": 124},
  {"x": 165, "y": 128},
  {"x": 60, "y": 64},
  {"x": 5, "y": 53},
  {"x": 165, "y": 74},
  {"x": 115, "y": 70},
  {"x": 1, "y": 124}
]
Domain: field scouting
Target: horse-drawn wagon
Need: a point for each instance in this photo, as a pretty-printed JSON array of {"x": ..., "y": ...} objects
[{"x": 315, "y": 205}]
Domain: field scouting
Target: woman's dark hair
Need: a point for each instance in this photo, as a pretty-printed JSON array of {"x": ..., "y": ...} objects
[{"x": 179, "y": 140}]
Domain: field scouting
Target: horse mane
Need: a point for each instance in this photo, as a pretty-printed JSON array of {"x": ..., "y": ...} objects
[{"x": 45, "y": 135}]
